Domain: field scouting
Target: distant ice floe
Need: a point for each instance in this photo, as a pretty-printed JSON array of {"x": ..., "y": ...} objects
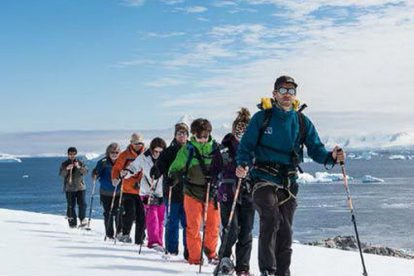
[
  {"x": 92, "y": 156},
  {"x": 364, "y": 155},
  {"x": 25, "y": 176},
  {"x": 371, "y": 179},
  {"x": 321, "y": 177},
  {"x": 8, "y": 158},
  {"x": 397, "y": 157}
]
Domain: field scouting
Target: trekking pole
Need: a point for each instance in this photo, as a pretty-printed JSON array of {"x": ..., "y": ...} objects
[
  {"x": 204, "y": 225},
  {"x": 168, "y": 219},
  {"x": 110, "y": 213},
  {"x": 90, "y": 207},
  {"x": 118, "y": 212},
  {"x": 351, "y": 208},
  {"x": 227, "y": 228}
]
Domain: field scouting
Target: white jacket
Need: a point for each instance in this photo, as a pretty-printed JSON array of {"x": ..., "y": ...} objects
[{"x": 144, "y": 163}]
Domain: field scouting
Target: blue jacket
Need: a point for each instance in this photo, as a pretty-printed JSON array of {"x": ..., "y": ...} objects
[
  {"x": 103, "y": 172},
  {"x": 283, "y": 135}
]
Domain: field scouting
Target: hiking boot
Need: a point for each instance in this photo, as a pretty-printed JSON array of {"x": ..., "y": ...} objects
[
  {"x": 124, "y": 238},
  {"x": 243, "y": 273},
  {"x": 157, "y": 247},
  {"x": 214, "y": 260}
]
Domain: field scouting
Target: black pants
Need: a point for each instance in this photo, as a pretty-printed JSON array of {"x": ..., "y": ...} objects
[
  {"x": 133, "y": 211},
  {"x": 106, "y": 201},
  {"x": 73, "y": 198},
  {"x": 275, "y": 238},
  {"x": 240, "y": 231}
]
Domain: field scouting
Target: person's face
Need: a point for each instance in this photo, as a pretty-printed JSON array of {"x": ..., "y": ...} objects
[
  {"x": 137, "y": 146},
  {"x": 202, "y": 137},
  {"x": 156, "y": 152},
  {"x": 114, "y": 153},
  {"x": 181, "y": 137},
  {"x": 285, "y": 95},
  {"x": 72, "y": 156}
]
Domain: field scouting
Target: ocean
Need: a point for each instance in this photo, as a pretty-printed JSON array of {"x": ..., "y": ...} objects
[{"x": 384, "y": 210}]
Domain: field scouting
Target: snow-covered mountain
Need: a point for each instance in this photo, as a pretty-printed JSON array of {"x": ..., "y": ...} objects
[{"x": 55, "y": 143}]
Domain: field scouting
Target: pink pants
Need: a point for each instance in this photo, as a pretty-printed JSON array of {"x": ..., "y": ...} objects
[{"x": 155, "y": 223}]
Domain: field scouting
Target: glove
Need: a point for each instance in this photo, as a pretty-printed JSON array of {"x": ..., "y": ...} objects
[
  {"x": 155, "y": 173},
  {"x": 245, "y": 185}
]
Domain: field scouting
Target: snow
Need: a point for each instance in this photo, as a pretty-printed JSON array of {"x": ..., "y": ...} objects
[
  {"x": 34, "y": 244},
  {"x": 8, "y": 158}
]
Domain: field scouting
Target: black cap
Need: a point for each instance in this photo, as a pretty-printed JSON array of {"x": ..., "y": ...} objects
[
  {"x": 284, "y": 79},
  {"x": 72, "y": 149}
]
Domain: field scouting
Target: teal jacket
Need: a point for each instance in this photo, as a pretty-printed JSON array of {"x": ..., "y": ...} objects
[{"x": 283, "y": 135}]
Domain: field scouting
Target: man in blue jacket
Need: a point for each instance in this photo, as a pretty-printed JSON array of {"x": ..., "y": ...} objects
[{"x": 271, "y": 150}]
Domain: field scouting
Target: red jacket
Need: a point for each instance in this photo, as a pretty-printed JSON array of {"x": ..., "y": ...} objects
[{"x": 130, "y": 185}]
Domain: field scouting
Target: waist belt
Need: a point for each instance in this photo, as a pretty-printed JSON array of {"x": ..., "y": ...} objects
[
  {"x": 275, "y": 169},
  {"x": 279, "y": 189}
]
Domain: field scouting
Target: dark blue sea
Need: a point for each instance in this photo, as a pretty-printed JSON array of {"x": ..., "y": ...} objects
[{"x": 384, "y": 210}]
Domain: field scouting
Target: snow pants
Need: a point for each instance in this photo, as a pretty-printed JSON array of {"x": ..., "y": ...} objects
[
  {"x": 109, "y": 217},
  {"x": 154, "y": 216},
  {"x": 275, "y": 236},
  {"x": 73, "y": 198},
  {"x": 194, "y": 211},
  {"x": 134, "y": 211},
  {"x": 240, "y": 232},
  {"x": 172, "y": 227}
]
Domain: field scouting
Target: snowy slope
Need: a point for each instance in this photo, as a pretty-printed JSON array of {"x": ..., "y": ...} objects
[{"x": 39, "y": 244}]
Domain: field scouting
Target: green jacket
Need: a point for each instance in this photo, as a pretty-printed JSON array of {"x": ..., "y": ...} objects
[{"x": 196, "y": 183}]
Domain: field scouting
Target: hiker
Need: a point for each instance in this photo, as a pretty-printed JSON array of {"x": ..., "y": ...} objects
[
  {"x": 72, "y": 170},
  {"x": 193, "y": 162},
  {"x": 272, "y": 150},
  {"x": 151, "y": 193},
  {"x": 109, "y": 195},
  {"x": 240, "y": 231},
  {"x": 132, "y": 204},
  {"x": 175, "y": 211}
]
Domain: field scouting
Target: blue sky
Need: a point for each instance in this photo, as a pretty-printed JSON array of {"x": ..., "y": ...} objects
[{"x": 114, "y": 64}]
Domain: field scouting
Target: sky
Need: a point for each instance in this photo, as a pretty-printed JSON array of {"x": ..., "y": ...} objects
[{"x": 142, "y": 64}]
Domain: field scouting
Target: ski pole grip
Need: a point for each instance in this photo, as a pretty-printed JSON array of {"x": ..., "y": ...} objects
[{"x": 340, "y": 162}]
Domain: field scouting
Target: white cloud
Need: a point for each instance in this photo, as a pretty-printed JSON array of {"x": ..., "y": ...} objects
[
  {"x": 173, "y": 2},
  {"x": 360, "y": 66},
  {"x": 192, "y": 9},
  {"x": 134, "y": 3},
  {"x": 165, "y": 35},
  {"x": 165, "y": 82}
]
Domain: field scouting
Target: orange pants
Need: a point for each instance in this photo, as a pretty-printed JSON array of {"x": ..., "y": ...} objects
[{"x": 194, "y": 212}]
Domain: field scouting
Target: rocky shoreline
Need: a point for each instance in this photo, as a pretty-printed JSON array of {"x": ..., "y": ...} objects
[{"x": 349, "y": 243}]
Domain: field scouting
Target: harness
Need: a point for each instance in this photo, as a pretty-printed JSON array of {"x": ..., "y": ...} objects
[{"x": 280, "y": 170}]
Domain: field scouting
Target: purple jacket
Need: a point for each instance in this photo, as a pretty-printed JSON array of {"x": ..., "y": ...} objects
[{"x": 224, "y": 167}]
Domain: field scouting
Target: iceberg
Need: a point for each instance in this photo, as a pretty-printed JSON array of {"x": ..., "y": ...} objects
[
  {"x": 371, "y": 179},
  {"x": 8, "y": 158},
  {"x": 396, "y": 157},
  {"x": 321, "y": 177}
]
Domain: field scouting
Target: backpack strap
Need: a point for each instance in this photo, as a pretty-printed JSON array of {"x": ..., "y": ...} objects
[
  {"x": 190, "y": 148},
  {"x": 201, "y": 161},
  {"x": 265, "y": 124}
]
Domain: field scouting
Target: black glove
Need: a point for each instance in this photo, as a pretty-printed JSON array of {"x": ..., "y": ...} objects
[
  {"x": 155, "y": 173},
  {"x": 245, "y": 185}
]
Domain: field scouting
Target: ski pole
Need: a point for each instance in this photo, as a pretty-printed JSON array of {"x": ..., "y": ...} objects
[
  {"x": 351, "y": 208},
  {"x": 204, "y": 225},
  {"x": 168, "y": 219},
  {"x": 227, "y": 228},
  {"x": 118, "y": 213},
  {"x": 110, "y": 213},
  {"x": 90, "y": 207}
]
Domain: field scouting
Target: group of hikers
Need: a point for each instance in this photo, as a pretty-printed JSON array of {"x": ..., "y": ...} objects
[{"x": 197, "y": 183}]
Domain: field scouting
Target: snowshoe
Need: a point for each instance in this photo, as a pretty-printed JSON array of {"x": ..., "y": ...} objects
[
  {"x": 225, "y": 266},
  {"x": 124, "y": 238},
  {"x": 158, "y": 248}
]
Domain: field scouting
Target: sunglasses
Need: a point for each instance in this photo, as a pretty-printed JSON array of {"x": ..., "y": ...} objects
[
  {"x": 181, "y": 133},
  {"x": 283, "y": 91},
  {"x": 138, "y": 144},
  {"x": 202, "y": 136},
  {"x": 114, "y": 152},
  {"x": 157, "y": 151}
]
